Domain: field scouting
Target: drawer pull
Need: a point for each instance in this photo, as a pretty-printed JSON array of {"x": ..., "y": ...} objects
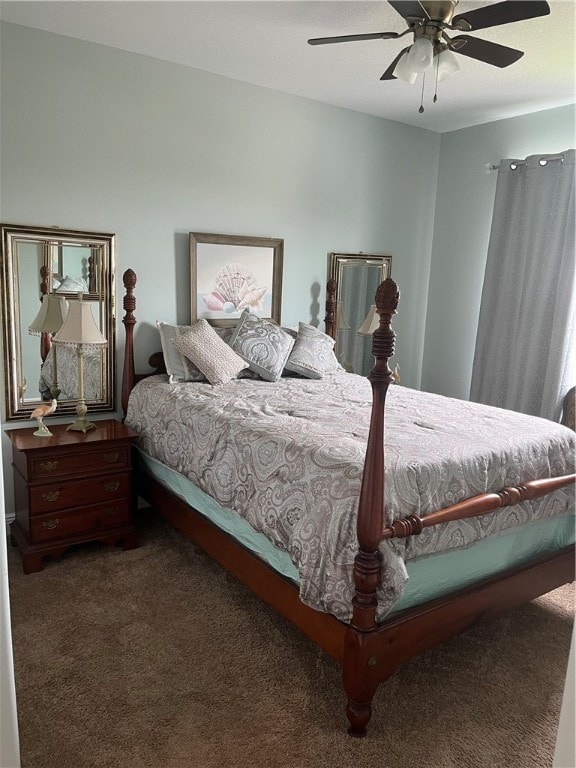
[
  {"x": 112, "y": 486},
  {"x": 49, "y": 525},
  {"x": 111, "y": 458},
  {"x": 112, "y": 511},
  {"x": 48, "y": 466},
  {"x": 50, "y": 495}
]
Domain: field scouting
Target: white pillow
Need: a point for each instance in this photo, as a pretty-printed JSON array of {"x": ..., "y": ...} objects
[
  {"x": 209, "y": 353},
  {"x": 178, "y": 367}
]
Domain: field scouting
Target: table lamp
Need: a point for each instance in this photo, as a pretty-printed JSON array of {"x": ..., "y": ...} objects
[
  {"x": 49, "y": 320},
  {"x": 371, "y": 322},
  {"x": 80, "y": 331}
]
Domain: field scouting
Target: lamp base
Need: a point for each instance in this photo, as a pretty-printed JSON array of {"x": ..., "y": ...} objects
[{"x": 81, "y": 425}]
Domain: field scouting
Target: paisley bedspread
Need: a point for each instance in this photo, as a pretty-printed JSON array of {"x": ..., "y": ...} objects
[{"x": 288, "y": 456}]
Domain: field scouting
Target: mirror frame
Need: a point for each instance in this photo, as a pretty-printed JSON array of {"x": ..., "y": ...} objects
[
  {"x": 52, "y": 238},
  {"x": 336, "y": 263}
]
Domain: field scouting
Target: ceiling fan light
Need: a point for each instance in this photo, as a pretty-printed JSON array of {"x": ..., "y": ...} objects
[
  {"x": 420, "y": 55},
  {"x": 447, "y": 64},
  {"x": 403, "y": 72}
]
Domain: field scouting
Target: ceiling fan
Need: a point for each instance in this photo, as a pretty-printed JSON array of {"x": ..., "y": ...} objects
[{"x": 428, "y": 21}]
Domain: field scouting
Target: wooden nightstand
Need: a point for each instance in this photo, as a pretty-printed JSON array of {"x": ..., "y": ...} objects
[{"x": 71, "y": 488}]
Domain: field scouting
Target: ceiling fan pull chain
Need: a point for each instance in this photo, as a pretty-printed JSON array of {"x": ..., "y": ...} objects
[
  {"x": 422, "y": 96},
  {"x": 435, "y": 99}
]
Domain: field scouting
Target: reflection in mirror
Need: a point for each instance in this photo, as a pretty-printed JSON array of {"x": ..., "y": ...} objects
[
  {"x": 355, "y": 280},
  {"x": 42, "y": 268}
]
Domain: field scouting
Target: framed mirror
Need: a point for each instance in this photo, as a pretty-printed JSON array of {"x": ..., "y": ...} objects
[
  {"x": 355, "y": 278},
  {"x": 41, "y": 265}
]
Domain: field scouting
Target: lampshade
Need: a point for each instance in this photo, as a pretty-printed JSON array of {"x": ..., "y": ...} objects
[
  {"x": 403, "y": 72},
  {"x": 419, "y": 58},
  {"x": 79, "y": 326},
  {"x": 80, "y": 330},
  {"x": 341, "y": 322},
  {"x": 447, "y": 64},
  {"x": 420, "y": 55},
  {"x": 51, "y": 314},
  {"x": 371, "y": 322}
]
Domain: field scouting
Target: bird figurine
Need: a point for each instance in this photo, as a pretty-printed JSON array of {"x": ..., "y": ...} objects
[{"x": 40, "y": 413}]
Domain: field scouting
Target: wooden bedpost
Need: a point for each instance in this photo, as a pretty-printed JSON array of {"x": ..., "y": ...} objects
[
  {"x": 92, "y": 286},
  {"x": 330, "y": 319},
  {"x": 129, "y": 304},
  {"x": 362, "y": 666},
  {"x": 45, "y": 338}
]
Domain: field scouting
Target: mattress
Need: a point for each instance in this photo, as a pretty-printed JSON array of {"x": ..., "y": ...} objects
[
  {"x": 428, "y": 578},
  {"x": 287, "y": 458}
]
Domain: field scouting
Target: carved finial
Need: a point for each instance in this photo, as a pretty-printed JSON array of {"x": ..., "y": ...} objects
[
  {"x": 129, "y": 301},
  {"x": 129, "y": 279},
  {"x": 387, "y": 297}
]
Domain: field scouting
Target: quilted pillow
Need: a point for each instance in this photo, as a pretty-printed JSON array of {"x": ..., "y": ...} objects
[
  {"x": 178, "y": 366},
  {"x": 263, "y": 344},
  {"x": 209, "y": 353},
  {"x": 313, "y": 353}
]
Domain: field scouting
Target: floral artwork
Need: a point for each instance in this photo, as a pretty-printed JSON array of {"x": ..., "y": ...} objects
[{"x": 235, "y": 289}]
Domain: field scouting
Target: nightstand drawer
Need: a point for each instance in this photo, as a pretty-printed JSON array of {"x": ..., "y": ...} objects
[
  {"x": 71, "y": 488},
  {"x": 75, "y": 493},
  {"x": 84, "y": 520},
  {"x": 76, "y": 462}
]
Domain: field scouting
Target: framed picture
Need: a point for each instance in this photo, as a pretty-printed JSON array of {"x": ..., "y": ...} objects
[{"x": 229, "y": 273}]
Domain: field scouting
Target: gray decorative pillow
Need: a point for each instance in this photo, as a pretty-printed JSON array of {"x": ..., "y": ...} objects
[
  {"x": 263, "y": 344},
  {"x": 209, "y": 353},
  {"x": 313, "y": 353}
]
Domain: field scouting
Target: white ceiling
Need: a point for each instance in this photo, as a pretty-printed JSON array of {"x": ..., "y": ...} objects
[{"x": 264, "y": 43}]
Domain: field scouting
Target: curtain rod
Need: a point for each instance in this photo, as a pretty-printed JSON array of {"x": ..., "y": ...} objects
[{"x": 489, "y": 167}]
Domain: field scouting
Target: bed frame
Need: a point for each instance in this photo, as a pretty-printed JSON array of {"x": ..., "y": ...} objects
[{"x": 368, "y": 651}]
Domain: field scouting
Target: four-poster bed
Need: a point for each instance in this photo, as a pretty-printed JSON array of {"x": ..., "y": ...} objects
[{"x": 368, "y": 647}]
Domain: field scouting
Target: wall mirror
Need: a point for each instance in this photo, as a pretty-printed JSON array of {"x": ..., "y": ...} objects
[
  {"x": 37, "y": 263},
  {"x": 355, "y": 276}
]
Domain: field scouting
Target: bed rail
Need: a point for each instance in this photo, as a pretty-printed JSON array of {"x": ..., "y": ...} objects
[{"x": 476, "y": 506}]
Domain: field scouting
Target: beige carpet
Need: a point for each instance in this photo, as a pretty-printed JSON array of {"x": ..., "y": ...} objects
[{"x": 155, "y": 658}]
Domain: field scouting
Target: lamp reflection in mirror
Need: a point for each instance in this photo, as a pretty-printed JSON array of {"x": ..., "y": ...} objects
[
  {"x": 80, "y": 330},
  {"x": 49, "y": 320},
  {"x": 341, "y": 322},
  {"x": 371, "y": 322}
]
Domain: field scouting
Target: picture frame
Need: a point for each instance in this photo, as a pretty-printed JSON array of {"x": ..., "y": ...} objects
[{"x": 229, "y": 273}]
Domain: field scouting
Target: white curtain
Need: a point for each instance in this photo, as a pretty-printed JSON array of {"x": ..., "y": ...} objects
[{"x": 524, "y": 358}]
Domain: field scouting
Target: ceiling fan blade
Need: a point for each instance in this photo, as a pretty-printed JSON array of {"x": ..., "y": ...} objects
[
  {"x": 388, "y": 74},
  {"x": 350, "y": 38},
  {"x": 409, "y": 8},
  {"x": 490, "y": 53},
  {"x": 503, "y": 13}
]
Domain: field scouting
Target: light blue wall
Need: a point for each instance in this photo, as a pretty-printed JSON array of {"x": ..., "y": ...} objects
[
  {"x": 99, "y": 139},
  {"x": 96, "y": 138},
  {"x": 464, "y": 206}
]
